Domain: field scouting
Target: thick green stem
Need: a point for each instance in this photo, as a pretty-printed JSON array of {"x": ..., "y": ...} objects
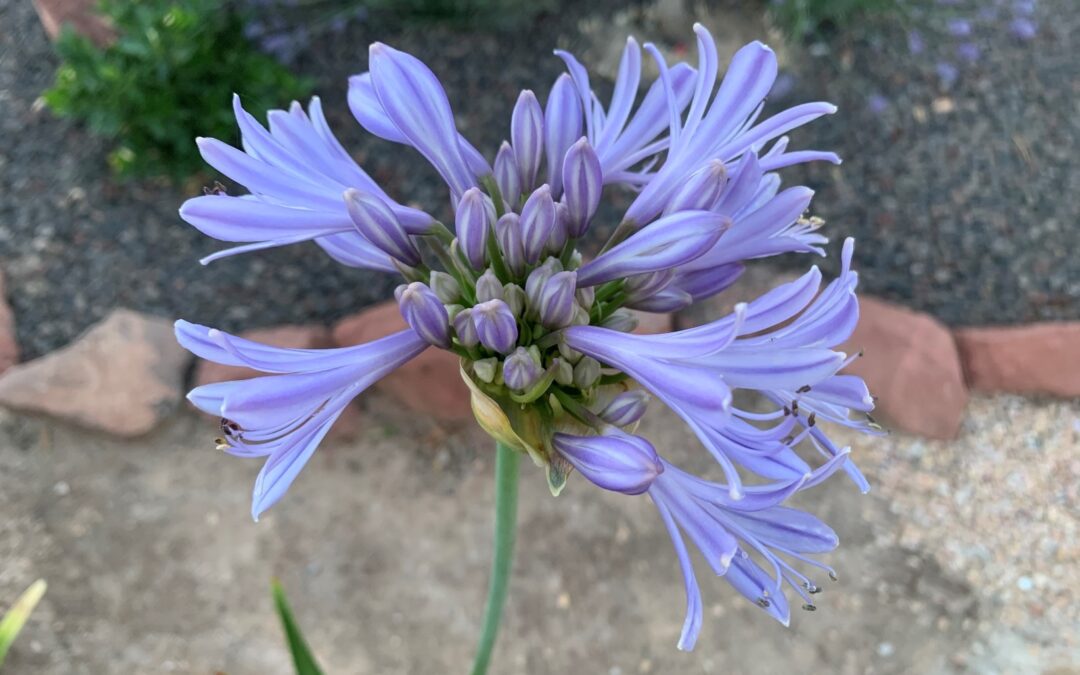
[{"x": 506, "y": 498}]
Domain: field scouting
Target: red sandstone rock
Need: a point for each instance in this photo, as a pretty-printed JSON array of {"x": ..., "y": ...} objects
[
  {"x": 912, "y": 366},
  {"x": 9, "y": 346},
  {"x": 1042, "y": 358},
  {"x": 292, "y": 337},
  {"x": 123, "y": 376},
  {"x": 430, "y": 383},
  {"x": 79, "y": 14}
]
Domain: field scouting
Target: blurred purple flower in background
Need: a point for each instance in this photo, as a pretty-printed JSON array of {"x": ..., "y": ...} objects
[{"x": 544, "y": 335}]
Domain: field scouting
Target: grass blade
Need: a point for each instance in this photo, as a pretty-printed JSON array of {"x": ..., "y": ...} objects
[
  {"x": 301, "y": 653},
  {"x": 16, "y": 617}
]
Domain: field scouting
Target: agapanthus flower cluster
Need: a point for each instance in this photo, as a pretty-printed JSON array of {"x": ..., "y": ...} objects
[{"x": 544, "y": 334}]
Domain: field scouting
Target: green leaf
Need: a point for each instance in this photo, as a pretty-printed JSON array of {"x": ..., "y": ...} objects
[
  {"x": 16, "y": 617},
  {"x": 301, "y": 653}
]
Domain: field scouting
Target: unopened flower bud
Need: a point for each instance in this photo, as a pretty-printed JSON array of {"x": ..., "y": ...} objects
[
  {"x": 568, "y": 353},
  {"x": 507, "y": 176},
  {"x": 583, "y": 182},
  {"x": 508, "y": 234},
  {"x": 445, "y": 287},
  {"x": 564, "y": 372},
  {"x": 586, "y": 296},
  {"x": 537, "y": 221},
  {"x": 586, "y": 372},
  {"x": 488, "y": 287},
  {"x": 648, "y": 284},
  {"x": 377, "y": 223},
  {"x": 465, "y": 329},
  {"x": 701, "y": 190},
  {"x": 474, "y": 214},
  {"x": 496, "y": 326},
  {"x": 520, "y": 370},
  {"x": 562, "y": 126},
  {"x": 514, "y": 297},
  {"x": 621, "y": 320},
  {"x": 535, "y": 283},
  {"x": 559, "y": 233},
  {"x": 453, "y": 310},
  {"x": 527, "y": 136},
  {"x": 485, "y": 369},
  {"x": 615, "y": 461},
  {"x": 556, "y": 303},
  {"x": 424, "y": 312},
  {"x": 626, "y": 408}
]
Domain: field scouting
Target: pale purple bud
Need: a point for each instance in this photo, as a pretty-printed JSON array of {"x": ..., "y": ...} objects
[
  {"x": 377, "y": 223},
  {"x": 568, "y": 353},
  {"x": 424, "y": 312},
  {"x": 702, "y": 190},
  {"x": 537, "y": 221},
  {"x": 527, "y": 136},
  {"x": 507, "y": 175},
  {"x": 586, "y": 372},
  {"x": 488, "y": 287},
  {"x": 615, "y": 461},
  {"x": 555, "y": 303},
  {"x": 464, "y": 328},
  {"x": 564, "y": 372},
  {"x": 583, "y": 182},
  {"x": 508, "y": 234},
  {"x": 445, "y": 287},
  {"x": 626, "y": 408},
  {"x": 645, "y": 285},
  {"x": 485, "y": 369},
  {"x": 562, "y": 125},
  {"x": 496, "y": 326},
  {"x": 622, "y": 320},
  {"x": 474, "y": 216},
  {"x": 514, "y": 297},
  {"x": 585, "y": 297},
  {"x": 520, "y": 370},
  {"x": 559, "y": 233},
  {"x": 535, "y": 283}
]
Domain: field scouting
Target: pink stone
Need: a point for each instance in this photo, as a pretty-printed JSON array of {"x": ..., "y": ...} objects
[
  {"x": 9, "y": 346},
  {"x": 123, "y": 376},
  {"x": 912, "y": 366},
  {"x": 1042, "y": 358}
]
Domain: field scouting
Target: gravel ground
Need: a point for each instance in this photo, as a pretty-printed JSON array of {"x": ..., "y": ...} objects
[
  {"x": 963, "y": 199},
  {"x": 961, "y": 559}
]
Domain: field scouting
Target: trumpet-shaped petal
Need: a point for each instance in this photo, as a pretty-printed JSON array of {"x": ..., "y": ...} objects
[
  {"x": 284, "y": 416},
  {"x": 414, "y": 101},
  {"x": 667, "y": 243},
  {"x": 296, "y": 172}
]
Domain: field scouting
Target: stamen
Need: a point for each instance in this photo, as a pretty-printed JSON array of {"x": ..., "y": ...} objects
[
  {"x": 803, "y": 389},
  {"x": 812, "y": 419},
  {"x": 810, "y": 608}
]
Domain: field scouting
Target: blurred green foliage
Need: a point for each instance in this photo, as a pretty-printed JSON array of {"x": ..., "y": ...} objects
[
  {"x": 802, "y": 18},
  {"x": 167, "y": 78}
]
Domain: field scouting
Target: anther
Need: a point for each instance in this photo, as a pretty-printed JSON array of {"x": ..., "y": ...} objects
[
  {"x": 832, "y": 575},
  {"x": 795, "y": 408},
  {"x": 787, "y": 411},
  {"x": 810, "y": 421},
  {"x": 810, "y": 608},
  {"x": 803, "y": 389},
  {"x": 762, "y": 602}
]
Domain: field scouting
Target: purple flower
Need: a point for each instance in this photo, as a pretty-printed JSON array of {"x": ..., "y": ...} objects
[
  {"x": 543, "y": 336},
  {"x": 947, "y": 73},
  {"x": 969, "y": 51},
  {"x": 916, "y": 44},
  {"x": 284, "y": 416},
  {"x": 958, "y": 27},
  {"x": 1023, "y": 29}
]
